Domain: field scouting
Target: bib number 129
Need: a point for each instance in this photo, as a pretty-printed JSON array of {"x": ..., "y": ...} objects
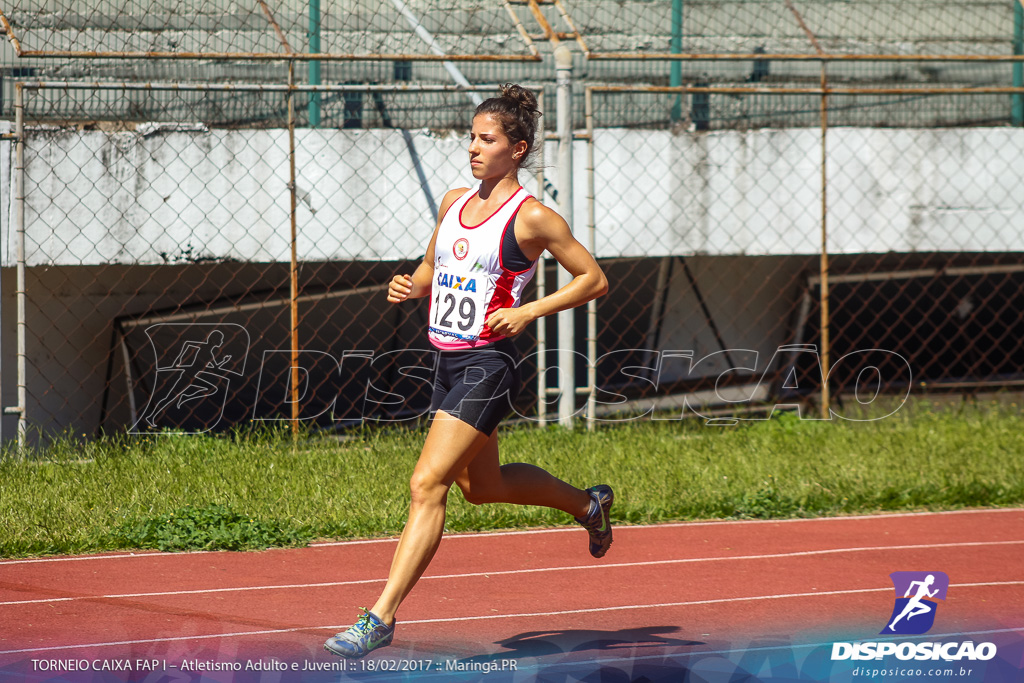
[{"x": 448, "y": 305}]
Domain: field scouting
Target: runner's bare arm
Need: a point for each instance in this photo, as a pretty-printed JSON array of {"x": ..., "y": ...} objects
[
  {"x": 539, "y": 228},
  {"x": 417, "y": 285}
]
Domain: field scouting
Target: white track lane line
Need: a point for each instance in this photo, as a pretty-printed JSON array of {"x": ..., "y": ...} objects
[
  {"x": 689, "y": 603},
  {"x": 467, "y": 575},
  {"x": 524, "y": 615},
  {"x": 530, "y": 532}
]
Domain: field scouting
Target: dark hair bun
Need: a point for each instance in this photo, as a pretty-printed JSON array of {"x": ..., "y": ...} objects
[{"x": 524, "y": 98}]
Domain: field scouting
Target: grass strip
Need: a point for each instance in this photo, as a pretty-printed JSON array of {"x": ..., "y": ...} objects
[{"x": 257, "y": 489}]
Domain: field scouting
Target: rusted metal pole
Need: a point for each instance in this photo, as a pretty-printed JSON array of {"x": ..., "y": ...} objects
[
  {"x": 255, "y": 87},
  {"x": 9, "y": 32},
  {"x": 825, "y": 342},
  {"x": 798, "y": 57},
  {"x": 277, "y": 28},
  {"x": 258, "y": 87},
  {"x": 823, "y": 266},
  {"x": 263, "y": 56},
  {"x": 294, "y": 274},
  {"x": 522, "y": 30},
  {"x": 574, "y": 32},
  {"x": 730, "y": 90},
  {"x": 806, "y": 29},
  {"x": 538, "y": 15}
]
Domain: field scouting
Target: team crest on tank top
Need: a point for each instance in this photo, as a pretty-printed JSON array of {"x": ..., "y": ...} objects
[{"x": 471, "y": 281}]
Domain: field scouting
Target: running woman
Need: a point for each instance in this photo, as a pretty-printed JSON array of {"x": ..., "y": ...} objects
[{"x": 482, "y": 253}]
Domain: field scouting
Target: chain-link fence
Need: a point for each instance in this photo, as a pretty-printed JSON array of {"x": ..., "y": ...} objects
[
  {"x": 748, "y": 174},
  {"x": 157, "y": 258},
  {"x": 728, "y": 241}
]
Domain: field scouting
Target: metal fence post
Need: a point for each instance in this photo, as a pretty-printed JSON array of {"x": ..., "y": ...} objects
[
  {"x": 19, "y": 224},
  {"x": 676, "y": 67},
  {"x": 541, "y": 281},
  {"x": 588, "y": 103},
  {"x": 1017, "y": 113},
  {"x": 566, "y": 319},
  {"x": 315, "y": 21},
  {"x": 293, "y": 275},
  {"x": 825, "y": 340}
]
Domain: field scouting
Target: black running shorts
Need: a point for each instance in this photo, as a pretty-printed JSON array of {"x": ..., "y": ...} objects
[{"x": 478, "y": 386}]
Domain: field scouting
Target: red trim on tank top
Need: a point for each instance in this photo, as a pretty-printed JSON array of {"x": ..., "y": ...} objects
[{"x": 474, "y": 227}]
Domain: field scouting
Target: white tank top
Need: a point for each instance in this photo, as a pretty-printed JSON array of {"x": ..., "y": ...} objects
[{"x": 471, "y": 276}]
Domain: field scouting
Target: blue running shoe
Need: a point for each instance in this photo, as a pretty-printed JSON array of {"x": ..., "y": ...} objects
[
  {"x": 366, "y": 635},
  {"x": 597, "y": 522}
]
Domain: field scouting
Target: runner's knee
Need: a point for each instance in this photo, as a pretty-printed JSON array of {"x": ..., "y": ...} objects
[{"x": 425, "y": 488}]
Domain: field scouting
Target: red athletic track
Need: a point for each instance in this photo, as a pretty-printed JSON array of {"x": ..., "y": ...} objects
[{"x": 661, "y": 591}]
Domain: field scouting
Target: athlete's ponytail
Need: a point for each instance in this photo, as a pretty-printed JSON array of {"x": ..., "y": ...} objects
[{"x": 516, "y": 110}]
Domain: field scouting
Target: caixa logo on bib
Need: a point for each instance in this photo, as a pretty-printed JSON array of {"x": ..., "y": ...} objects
[{"x": 913, "y": 613}]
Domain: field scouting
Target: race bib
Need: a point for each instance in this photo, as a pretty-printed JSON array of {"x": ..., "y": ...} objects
[{"x": 458, "y": 304}]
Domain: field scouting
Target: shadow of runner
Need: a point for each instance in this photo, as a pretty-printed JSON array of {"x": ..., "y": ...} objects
[
  {"x": 578, "y": 654},
  {"x": 637, "y": 640}
]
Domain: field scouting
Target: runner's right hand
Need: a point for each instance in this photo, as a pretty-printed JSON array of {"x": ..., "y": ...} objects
[{"x": 399, "y": 288}]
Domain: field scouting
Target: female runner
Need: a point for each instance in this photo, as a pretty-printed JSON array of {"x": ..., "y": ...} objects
[{"x": 482, "y": 253}]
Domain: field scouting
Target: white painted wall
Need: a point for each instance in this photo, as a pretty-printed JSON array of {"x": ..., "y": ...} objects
[{"x": 96, "y": 197}]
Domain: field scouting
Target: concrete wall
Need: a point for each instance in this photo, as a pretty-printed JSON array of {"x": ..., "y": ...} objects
[
  {"x": 158, "y": 197},
  {"x": 70, "y": 318},
  {"x": 758, "y": 192}
]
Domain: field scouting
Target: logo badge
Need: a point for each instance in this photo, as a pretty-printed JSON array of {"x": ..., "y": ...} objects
[
  {"x": 916, "y": 595},
  {"x": 461, "y": 248}
]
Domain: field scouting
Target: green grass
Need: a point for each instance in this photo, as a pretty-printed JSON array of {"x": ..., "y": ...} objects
[{"x": 252, "y": 490}]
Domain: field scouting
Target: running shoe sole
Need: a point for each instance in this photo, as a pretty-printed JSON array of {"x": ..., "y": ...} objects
[{"x": 600, "y": 534}]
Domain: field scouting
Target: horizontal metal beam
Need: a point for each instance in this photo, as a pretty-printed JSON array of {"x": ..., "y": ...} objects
[
  {"x": 270, "y": 56},
  {"x": 967, "y": 90},
  {"x": 431, "y": 88},
  {"x": 252, "y": 87},
  {"x": 809, "y": 57},
  {"x": 958, "y": 271},
  {"x": 202, "y": 311}
]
